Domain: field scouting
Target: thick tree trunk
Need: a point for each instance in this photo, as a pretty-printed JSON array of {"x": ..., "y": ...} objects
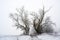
[{"x": 39, "y": 30}]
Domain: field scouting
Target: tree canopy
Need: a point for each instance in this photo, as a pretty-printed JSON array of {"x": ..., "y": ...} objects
[{"x": 22, "y": 21}]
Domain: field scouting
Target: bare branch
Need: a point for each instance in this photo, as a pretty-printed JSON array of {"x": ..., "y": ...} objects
[
  {"x": 48, "y": 10},
  {"x": 16, "y": 19}
]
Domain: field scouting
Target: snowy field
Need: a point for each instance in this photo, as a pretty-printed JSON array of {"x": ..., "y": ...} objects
[{"x": 39, "y": 37}]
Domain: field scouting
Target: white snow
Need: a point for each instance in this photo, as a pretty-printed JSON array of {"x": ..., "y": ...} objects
[
  {"x": 32, "y": 30},
  {"x": 25, "y": 37}
]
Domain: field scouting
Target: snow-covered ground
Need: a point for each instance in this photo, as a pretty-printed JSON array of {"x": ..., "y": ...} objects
[{"x": 24, "y": 37}]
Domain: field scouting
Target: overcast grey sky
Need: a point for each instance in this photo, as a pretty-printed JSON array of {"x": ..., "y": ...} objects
[{"x": 9, "y": 6}]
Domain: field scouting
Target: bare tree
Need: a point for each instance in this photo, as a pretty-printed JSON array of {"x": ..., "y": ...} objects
[
  {"x": 39, "y": 26},
  {"x": 19, "y": 17}
]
